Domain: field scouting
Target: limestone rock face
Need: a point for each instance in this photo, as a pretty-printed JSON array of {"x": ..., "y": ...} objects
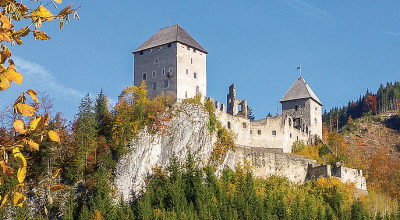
[{"x": 187, "y": 129}]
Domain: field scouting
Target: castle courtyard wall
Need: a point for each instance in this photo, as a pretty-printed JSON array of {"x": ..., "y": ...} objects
[
  {"x": 271, "y": 132},
  {"x": 273, "y": 162}
]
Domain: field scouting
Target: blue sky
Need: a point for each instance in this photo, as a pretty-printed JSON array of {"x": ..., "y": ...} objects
[{"x": 344, "y": 48}]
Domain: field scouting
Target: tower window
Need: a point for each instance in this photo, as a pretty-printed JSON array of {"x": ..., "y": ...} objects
[
  {"x": 170, "y": 70},
  {"x": 156, "y": 61},
  {"x": 315, "y": 122},
  {"x": 290, "y": 135},
  {"x": 163, "y": 71},
  {"x": 185, "y": 94},
  {"x": 154, "y": 86},
  {"x": 290, "y": 122},
  {"x": 188, "y": 48},
  {"x": 195, "y": 75},
  {"x": 168, "y": 45},
  {"x": 244, "y": 125},
  {"x": 194, "y": 50},
  {"x": 141, "y": 52},
  {"x": 187, "y": 71},
  {"x": 229, "y": 125},
  {"x": 144, "y": 77},
  {"x": 166, "y": 84},
  {"x": 296, "y": 108},
  {"x": 154, "y": 74},
  {"x": 197, "y": 89},
  {"x": 251, "y": 131},
  {"x": 273, "y": 132},
  {"x": 259, "y": 132},
  {"x": 191, "y": 60}
]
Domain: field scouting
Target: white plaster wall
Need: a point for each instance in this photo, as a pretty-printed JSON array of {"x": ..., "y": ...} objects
[
  {"x": 315, "y": 113},
  {"x": 187, "y": 82},
  {"x": 249, "y": 135},
  {"x": 145, "y": 63}
]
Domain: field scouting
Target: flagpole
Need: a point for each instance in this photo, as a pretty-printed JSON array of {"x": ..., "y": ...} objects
[{"x": 299, "y": 68}]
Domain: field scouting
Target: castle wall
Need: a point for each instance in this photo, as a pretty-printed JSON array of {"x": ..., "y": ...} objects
[
  {"x": 350, "y": 175},
  {"x": 310, "y": 113},
  {"x": 271, "y": 132},
  {"x": 273, "y": 162},
  {"x": 194, "y": 62},
  {"x": 317, "y": 172},
  {"x": 144, "y": 62}
]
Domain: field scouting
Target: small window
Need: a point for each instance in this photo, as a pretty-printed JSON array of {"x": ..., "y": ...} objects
[
  {"x": 186, "y": 94},
  {"x": 307, "y": 129},
  {"x": 273, "y": 132},
  {"x": 187, "y": 71},
  {"x": 315, "y": 121},
  {"x": 154, "y": 86},
  {"x": 163, "y": 71},
  {"x": 170, "y": 70},
  {"x": 141, "y": 52},
  {"x": 244, "y": 125},
  {"x": 251, "y": 131},
  {"x": 316, "y": 108},
  {"x": 197, "y": 89},
  {"x": 191, "y": 60},
  {"x": 156, "y": 61},
  {"x": 168, "y": 45},
  {"x": 290, "y": 135},
  {"x": 154, "y": 74},
  {"x": 166, "y": 84},
  {"x": 229, "y": 125},
  {"x": 259, "y": 132},
  {"x": 144, "y": 77},
  {"x": 194, "y": 50},
  {"x": 195, "y": 75},
  {"x": 188, "y": 48},
  {"x": 296, "y": 108},
  {"x": 290, "y": 122}
]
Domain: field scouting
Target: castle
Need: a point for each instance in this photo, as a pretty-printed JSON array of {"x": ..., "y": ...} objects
[{"x": 173, "y": 63}]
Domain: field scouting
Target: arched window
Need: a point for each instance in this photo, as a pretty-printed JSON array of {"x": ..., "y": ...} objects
[
  {"x": 259, "y": 132},
  {"x": 163, "y": 71},
  {"x": 195, "y": 75},
  {"x": 290, "y": 122},
  {"x": 197, "y": 89},
  {"x": 244, "y": 125},
  {"x": 154, "y": 74},
  {"x": 229, "y": 125},
  {"x": 144, "y": 77},
  {"x": 307, "y": 129},
  {"x": 156, "y": 61}
]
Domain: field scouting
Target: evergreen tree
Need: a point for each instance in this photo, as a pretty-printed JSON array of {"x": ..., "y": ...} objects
[
  {"x": 102, "y": 116},
  {"x": 250, "y": 114}
]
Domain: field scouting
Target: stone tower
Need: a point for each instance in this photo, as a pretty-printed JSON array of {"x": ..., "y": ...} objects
[
  {"x": 172, "y": 63},
  {"x": 303, "y": 105},
  {"x": 235, "y": 106}
]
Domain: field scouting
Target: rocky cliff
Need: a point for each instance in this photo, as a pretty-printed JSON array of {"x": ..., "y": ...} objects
[{"x": 186, "y": 130}]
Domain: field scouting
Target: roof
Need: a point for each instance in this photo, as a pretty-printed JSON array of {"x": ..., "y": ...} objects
[
  {"x": 300, "y": 90},
  {"x": 174, "y": 33}
]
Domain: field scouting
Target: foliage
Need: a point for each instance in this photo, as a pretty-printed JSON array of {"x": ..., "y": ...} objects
[
  {"x": 30, "y": 126},
  {"x": 225, "y": 142}
]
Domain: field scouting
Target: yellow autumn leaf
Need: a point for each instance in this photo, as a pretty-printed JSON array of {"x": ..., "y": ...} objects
[
  {"x": 34, "y": 123},
  {"x": 5, "y": 23},
  {"x": 40, "y": 35},
  {"x": 4, "y": 83},
  {"x": 56, "y": 187},
  {"x": 18, "y": 199},
  {"x": 13, "y": 75},
  {"x": 23, "y": 31},
  {"x": 64, "y": 11},
  {"x": 19, "y": 157},
  {"x": 33, "y": 94},
  {"x": 20, "y": 127},
  {"x": 55, "y": 174},
  {"x": 58, "y": 1},
  {"x": 6, "y": 169},
  {"x": 54, "y": 136},
  {"x": 25, "y": 109},
  {"x": 4, "y": 36},
  {"x": 32, "y": 144},
  {"x": 18, "y": 40},
  {"x": 21, "y": 174},
  {"x": 4, "y": 200},
  {"x": 43, "y": 13}
]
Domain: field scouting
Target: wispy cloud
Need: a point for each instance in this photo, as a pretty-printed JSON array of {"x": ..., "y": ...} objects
[
  {"x": 393, "y": 33},
  {"x": 39, "y": 78},
  {"x": 308, "y": 9}
]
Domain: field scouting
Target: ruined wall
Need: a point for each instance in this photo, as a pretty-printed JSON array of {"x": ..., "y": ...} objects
[
  {"x": 350, "y": 175},
  {"x": 271, "y": 132},
  {"x": 267, "y": 162},
  {"x": 317, "y": 172}
]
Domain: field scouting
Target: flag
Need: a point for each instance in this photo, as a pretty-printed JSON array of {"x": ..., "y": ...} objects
[{"x": 298, "y": 67}]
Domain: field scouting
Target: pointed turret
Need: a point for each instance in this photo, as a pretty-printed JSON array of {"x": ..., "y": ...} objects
[{"x": 300, "y": 90}]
